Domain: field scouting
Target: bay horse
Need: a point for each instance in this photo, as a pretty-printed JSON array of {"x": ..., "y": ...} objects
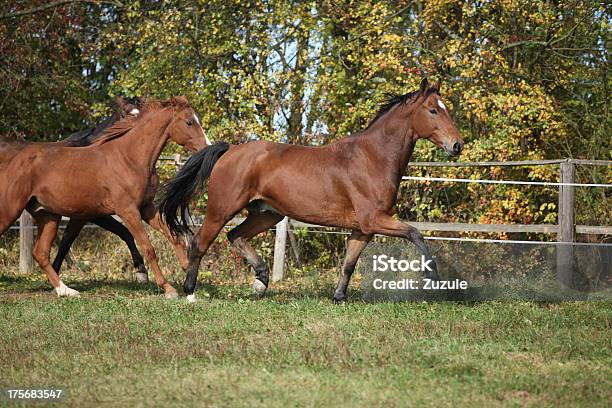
[
  {"x": 351, "y": 183},
  {"x": 110, "y": 176},
  {"x": 86, "y": 137}
]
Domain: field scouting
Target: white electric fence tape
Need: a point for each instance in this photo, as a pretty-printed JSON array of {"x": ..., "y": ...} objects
[{"x": 529, "y": 183}]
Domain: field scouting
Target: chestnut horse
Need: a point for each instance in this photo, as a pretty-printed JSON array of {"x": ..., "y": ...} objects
[
  {"x": 111, "y": 176},
  {"x": 351, "y": 183},
  {"x": 74, "y": 227},
  {"x": 85, "y": 138},
  {"x": 123, "y": 108}
]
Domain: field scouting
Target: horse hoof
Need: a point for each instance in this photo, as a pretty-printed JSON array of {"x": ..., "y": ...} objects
[
  {"x": 171, "y": 294},
  {"x": 340, "y": 300},
  {"x": 191, "y": 298},
  {"x": 259, "y": 287},
  {"x": 142, "y": 277},
  {"x": 64, "y": 291}
]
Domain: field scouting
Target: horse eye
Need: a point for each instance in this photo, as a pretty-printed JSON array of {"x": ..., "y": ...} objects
[
  {"x": 189, "y": 123},
  {"x": 433, "y": 111}
]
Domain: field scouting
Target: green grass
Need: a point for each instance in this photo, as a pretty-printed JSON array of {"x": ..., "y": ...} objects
[{"x": 122, "y": 344}]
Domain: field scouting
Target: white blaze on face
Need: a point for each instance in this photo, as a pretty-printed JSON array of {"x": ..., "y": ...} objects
[
  {"x": 441, "y": 105},
  {"x": 197, "y": 120}
]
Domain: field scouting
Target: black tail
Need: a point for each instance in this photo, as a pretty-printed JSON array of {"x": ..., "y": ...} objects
[{"x": 177, "y": 193}]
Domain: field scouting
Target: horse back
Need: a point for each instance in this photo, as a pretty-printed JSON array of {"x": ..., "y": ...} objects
[{"x": 288, "y": 178}]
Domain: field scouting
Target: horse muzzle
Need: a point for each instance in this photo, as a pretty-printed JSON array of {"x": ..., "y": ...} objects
[{"x": 454, "y": 149}]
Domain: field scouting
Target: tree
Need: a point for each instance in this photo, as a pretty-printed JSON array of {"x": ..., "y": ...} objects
[
  {"x": 50, "y": 70},
  {"x": 526, "y": 80}
]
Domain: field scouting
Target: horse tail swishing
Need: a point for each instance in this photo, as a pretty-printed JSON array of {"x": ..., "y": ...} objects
[{"x": 178, "y": 192}]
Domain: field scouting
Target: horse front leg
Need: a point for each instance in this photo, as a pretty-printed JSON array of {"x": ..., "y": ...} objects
[
  {"x": 112, "y": 225},
  {"x": 133, "y": 221},
  {"x": 384, "y": 224},
  {"x": 153, "y": 218}
]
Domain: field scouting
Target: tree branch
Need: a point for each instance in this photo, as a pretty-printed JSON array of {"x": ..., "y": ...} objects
[
  {"x": 448, "y": 31},
  {"x": 525, "y": 42},
  {"x": 56, "y": 4}
]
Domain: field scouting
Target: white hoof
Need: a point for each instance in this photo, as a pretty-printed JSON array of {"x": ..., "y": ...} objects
[
  {"x": 63, "y": 290},
  {"x": 191, "y": 298},
  {"x": 142, "y": 277},
  {"x": 259, "y": 287}
]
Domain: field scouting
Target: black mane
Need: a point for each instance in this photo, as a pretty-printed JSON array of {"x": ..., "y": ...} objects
[
  {"x": 392, "y": 99},
  {"x": 88, "y": 136}
]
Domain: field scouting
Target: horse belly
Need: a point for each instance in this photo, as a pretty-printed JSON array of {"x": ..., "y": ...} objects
[
  {"x": 70, "y": 201},
  {"x": 314, "y": 199}
]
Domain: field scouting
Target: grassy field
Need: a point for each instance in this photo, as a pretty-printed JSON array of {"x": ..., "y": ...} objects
[{"x": 122, "y": 344}]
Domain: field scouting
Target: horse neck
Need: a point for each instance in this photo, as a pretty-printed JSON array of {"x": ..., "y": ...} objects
[
  {"x": 391, "y": 140},
  {"x": 143, "y": 144}
]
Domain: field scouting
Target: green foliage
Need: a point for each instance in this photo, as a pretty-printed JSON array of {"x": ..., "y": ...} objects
[{"x": 51, "y": 72}]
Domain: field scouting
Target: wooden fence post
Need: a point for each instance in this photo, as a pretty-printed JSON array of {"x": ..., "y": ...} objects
[
  {"x": 280, "y": 241},
  {"x": 26, "y": 242},
  {"x": 567, "y": 227},
  {"x": 177, "y": 161}
]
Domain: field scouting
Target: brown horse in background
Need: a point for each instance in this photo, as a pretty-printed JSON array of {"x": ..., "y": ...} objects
[
  {"x": 83, "y": 138},
  {"x": 351, "y": 183},
  {"x": 111, "y": 176},
  {"x": 87, "y": 137}
]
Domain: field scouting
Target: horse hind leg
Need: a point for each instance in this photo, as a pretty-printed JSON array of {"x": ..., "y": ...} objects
[
  {"x": 200, "y": 243},
  {"x": 47, "y": 230},
  {"x": 255, "y": 223},
  {"x": 355, "y": 245}
]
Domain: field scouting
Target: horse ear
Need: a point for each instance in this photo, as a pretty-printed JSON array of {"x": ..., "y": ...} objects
[
  {"x": 424, "y": 85},
  {"x": 179, "y": 101},
  {"x": 121, "y": 106},
  {"x": 120, "y": 102},
  {"x": 437, "y": 86}
]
